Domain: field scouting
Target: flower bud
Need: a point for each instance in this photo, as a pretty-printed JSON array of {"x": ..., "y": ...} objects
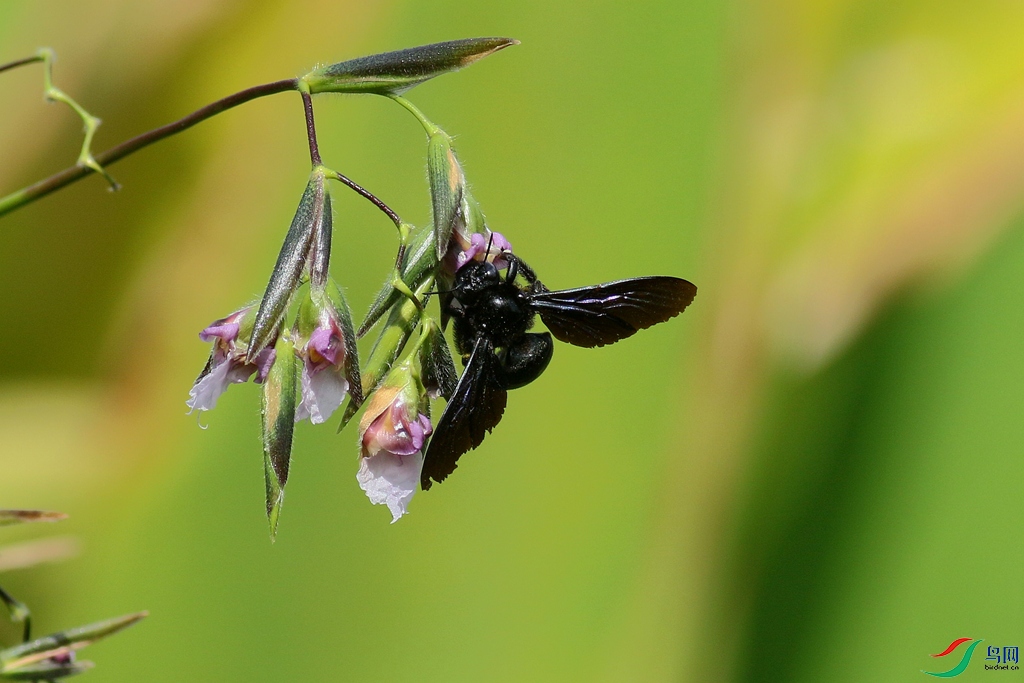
[
  {"x": 392, "y": 73},
  {"x": 326, "y": 343},
  {"x": 392, "y": 434}
]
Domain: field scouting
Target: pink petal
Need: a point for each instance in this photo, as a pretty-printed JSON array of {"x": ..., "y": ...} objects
[{"x": 225, "y": 331}]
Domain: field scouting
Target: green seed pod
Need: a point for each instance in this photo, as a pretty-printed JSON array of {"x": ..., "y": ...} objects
[
  {"x": 337, "y": 299},
  {"x": 447, "y": 187},
  {"x": 392, "y": 73},
  {"x": 279, "y": 393},
  {"x": 312, "y": 219}
]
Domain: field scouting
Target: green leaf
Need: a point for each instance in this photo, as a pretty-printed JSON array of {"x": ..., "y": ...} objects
[
  {"x": 309, "y": 220},
  {"x": 279, "y": 393},
  {"x": 392, "y": 73}
]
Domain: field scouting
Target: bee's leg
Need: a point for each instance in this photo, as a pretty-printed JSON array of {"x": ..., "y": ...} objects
[
  {"x": 463, "y": 336},
  {"x": 525, "y": 360},
  {"x": 516, "y": 266}
]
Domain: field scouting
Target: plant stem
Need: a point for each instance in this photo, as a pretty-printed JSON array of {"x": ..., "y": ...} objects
[
  {"x": 20, "y": 62},
  {"x": 69, "y": 175},
  {"x": 429, "y": 126},
  {"x": 314, "y": 149},
  {"x": 366, "y": 194}
]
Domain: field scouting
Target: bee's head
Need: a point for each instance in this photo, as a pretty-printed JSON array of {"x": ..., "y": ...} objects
[{"x": 473, "y": 278}]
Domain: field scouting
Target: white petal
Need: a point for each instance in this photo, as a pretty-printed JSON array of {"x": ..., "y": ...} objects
[
  {"x": 205, "y": 392},
  {"x": 390, "y": 480},
  {"x": 322, "y": 393}
]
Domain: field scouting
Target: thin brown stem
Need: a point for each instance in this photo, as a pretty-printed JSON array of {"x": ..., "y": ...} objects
[
  {"x": 75, "y": 173},
  {"x": 314, "y": 149},
  {"x": 20, "y": 62},
  {"x": 366, "y": 194}
]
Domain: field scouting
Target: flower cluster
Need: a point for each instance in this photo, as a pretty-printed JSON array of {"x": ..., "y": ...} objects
[{"x": 298, "y": 341}]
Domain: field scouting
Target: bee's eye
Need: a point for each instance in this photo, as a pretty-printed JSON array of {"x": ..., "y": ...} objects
[{"x": 488, "y": 271}]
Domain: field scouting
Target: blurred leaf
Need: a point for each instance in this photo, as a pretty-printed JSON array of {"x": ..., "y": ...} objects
[
  {"x": 12, "y": 517},
  {"x": 31, "y": 553},
  {"x": 18, "y": 659},
  {"x": 57, "y": 664},
  {"x": 392, "y": 73}
]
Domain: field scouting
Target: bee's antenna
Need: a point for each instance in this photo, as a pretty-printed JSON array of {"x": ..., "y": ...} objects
[{"x": 490, "y": 240}]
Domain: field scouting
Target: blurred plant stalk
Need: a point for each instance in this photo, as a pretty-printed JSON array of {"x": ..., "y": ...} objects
[{"x": 861, "y": 164}]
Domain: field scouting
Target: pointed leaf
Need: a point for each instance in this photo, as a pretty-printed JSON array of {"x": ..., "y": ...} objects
[
  {"x": 290, "y": 262},
  {"x": 279, "y": 393},
  {"x": 391, "y": 73}
]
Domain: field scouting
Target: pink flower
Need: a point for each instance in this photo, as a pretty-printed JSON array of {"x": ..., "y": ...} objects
[
  {"x": 227, "y": 364},
  {"x": 393, "y": 432},
  {"x": 461, "y": 252},
  {"x": 324, "y": 383}
]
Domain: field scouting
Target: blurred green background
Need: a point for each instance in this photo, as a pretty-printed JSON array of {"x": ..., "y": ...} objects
[{"x": 814, "y": 474}]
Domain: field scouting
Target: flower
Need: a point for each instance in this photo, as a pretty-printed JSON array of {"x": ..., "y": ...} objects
[
  {"x": 324, "y": 383},
  {"x": 461, "y": 251},
  {"x": 392, "y": 433},
  {"x": 227, "y": 364}
]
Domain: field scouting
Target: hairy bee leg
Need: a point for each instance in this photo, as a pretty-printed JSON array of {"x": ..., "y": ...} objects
[{"x": 517, "y": 266}]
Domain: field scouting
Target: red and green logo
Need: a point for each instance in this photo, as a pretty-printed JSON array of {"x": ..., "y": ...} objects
[{"x": 964, "y": 661}]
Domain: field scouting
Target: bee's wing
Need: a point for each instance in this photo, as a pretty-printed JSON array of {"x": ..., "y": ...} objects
[
  {"x": 602, "y": 314},
  {"x": 474, "y": 409}
]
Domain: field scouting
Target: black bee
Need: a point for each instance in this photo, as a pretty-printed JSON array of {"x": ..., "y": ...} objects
[{"x": 493, "y": 316}]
